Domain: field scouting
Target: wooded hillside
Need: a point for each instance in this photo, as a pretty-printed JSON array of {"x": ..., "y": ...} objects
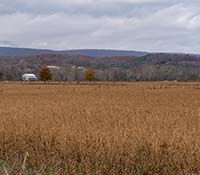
[{"x": 151, "y": 67}]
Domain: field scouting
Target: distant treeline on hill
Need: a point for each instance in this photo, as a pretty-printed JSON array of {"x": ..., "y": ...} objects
[
  {"x": 150, "y": 67},
  {"x": 9, "y": 51}
]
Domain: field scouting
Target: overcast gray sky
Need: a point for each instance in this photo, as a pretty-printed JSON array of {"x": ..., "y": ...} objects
[{"x": 147, "y": 25}]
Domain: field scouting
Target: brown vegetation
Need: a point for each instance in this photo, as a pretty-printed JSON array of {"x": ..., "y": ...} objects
[
  {"x": 89, "y": 75},
  {"x": 45, "y": 74},
  {"x": 131, "y": 129}
]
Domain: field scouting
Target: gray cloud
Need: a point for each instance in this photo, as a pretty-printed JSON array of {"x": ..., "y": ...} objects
[
  {"x": 7, "y": 43},
  {"x": 150, "y": 25}
]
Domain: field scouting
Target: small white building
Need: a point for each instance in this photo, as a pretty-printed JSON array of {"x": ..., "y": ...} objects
[
  {"x": 29, "y": 77},
  {"x": 53, "y": 67}
]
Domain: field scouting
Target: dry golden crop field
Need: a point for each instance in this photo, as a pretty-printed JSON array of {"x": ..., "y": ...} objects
[{"x": 102, "y": 129}]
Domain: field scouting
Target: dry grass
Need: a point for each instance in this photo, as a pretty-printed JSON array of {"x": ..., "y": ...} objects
[{"x": 130, "y": 129}]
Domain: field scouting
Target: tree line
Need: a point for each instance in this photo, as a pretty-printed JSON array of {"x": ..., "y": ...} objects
[
  {"x": 45, "y": 74},
  {"x": 74, "y": 73},
  {"x": 153, "y": 67}
]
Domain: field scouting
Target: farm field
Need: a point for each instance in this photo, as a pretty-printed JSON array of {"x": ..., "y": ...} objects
[{"x": 100, "y": 129}]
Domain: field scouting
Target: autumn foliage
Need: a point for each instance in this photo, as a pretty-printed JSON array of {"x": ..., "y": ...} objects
[
  {"x": 45, "y": 74},
  {"x": 89, "y": 75}
]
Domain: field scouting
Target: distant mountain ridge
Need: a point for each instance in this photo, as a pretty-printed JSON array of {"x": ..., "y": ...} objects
[{"x": 11, "y": 51}]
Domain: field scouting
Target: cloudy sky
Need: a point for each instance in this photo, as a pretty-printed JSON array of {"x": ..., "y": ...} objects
[{"x": 147, "y": 25}]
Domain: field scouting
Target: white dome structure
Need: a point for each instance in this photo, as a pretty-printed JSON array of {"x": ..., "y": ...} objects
[{"x": 29, "y": 77}]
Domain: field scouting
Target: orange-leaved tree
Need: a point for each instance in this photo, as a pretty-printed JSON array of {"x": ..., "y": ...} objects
[{"x": 89, "y": 75}]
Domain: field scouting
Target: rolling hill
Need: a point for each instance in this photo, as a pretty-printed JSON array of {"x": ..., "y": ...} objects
[
  {"x": 9, "y": 51},
  {"x": 109, "y": 65}
]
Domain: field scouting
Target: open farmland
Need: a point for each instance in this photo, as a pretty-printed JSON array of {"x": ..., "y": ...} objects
[{"x": 129, "y": 129}]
